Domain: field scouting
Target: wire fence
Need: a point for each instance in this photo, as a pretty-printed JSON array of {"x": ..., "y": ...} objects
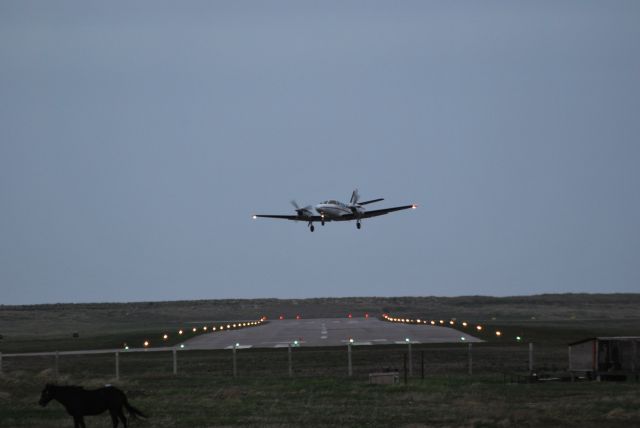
[{"x": 418, "y": 360}]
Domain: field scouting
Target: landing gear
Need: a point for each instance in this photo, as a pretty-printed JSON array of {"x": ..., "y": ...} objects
[
  {"x": 311, "y": 228},
  {"x": 358, "y": 225}
]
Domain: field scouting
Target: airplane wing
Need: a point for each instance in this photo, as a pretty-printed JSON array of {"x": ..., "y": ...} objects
[
  {"x": 292, "y": 217},
  {"x": 375, "y": 213}
]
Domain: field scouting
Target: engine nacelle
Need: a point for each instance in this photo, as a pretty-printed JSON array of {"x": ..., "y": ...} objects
[{"x": 357, "y": 210}]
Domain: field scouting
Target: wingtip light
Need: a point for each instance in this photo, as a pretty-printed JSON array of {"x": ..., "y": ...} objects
[{"x": 414, "y": 206}]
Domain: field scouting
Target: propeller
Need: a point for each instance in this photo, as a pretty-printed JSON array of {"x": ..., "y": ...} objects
[{"x": 302, "y": 212}]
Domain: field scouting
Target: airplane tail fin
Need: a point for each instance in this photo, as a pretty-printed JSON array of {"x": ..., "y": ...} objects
[{"x": 354, "y": 197}]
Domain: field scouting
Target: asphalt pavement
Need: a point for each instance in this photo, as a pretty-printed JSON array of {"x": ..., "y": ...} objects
[{"x": 327, "y": 332}]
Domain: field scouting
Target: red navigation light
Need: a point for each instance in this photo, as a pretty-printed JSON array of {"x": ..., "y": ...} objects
[
  {"x": 298, "y": 316},
  {"x": 281, "y": 317},
  {"x": 366, "y": 315},
  {"x": 349, "y": 316}
]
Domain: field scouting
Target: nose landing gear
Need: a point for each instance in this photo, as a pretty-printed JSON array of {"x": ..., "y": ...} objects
[
  {"x": 311, "y": 228},
  {"x": 358, "y": 225}
]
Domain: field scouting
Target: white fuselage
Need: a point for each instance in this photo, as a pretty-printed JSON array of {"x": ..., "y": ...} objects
[{"x": 335, "y": 210}]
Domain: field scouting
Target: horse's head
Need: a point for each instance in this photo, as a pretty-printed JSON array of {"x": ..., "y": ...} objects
[{"x": 47, "y": 394}]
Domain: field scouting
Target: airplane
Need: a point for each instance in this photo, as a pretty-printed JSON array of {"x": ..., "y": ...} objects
[{"x": 333, "y": 210}]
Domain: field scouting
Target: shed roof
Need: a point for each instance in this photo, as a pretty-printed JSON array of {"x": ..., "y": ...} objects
[{"x": 621, "y": 338}]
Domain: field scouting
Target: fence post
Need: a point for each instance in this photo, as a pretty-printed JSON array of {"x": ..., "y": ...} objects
[
  {"x": 175, "y": 361},
  {"x": 56, "y": 364},
  {"x": 410, "y": 360},
  {"x": 422, "y": 364},
  {"x": 470, "y": 359},
  {"x": 235, "y": 367},
  {"x": 117, "y": 365},
  {"x": 290, "y": 363},
  {"x": 349, "y": 359},
  {"x": 405, "y": 368},
  {"x": 530, "y": 358}
]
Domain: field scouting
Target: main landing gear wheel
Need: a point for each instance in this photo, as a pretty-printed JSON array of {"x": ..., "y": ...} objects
[
  {"x": 311, "y": 228},
  {"x": 358, "y": 225}
]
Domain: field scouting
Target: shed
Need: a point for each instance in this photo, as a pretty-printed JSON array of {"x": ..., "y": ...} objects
[{"x": 601, "y": 356}]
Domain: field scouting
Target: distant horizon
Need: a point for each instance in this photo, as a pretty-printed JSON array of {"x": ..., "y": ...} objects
[{"x": 325, "y": 297}]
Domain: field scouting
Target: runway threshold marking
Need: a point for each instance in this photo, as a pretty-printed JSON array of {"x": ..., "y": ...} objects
[
  {"x": 286, "y": 344},
  {"x": 357, "y": 343}
]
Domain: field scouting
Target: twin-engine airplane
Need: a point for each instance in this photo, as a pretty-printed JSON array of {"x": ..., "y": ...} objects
[{"x": 333, "y": 210}]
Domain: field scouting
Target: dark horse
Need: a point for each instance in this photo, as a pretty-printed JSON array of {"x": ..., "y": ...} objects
[{"x": 80, "y": 402}]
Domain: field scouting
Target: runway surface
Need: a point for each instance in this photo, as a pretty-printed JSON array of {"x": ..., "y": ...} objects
[{"x": 327, "y": 332}]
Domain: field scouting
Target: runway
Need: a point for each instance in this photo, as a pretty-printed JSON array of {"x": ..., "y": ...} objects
[{"x": 327, "y": 332}]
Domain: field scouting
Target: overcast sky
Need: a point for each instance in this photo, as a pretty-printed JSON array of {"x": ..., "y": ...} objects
[{"x": 137, "y": 139}]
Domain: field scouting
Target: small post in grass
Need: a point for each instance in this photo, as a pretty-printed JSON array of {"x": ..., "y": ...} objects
[
  {"x": 530, "y": 358},
  {"x": 0, "y": 362},
  {"x": 350, "y": 371},
  {"x": 117, "y": 365},
  {"x": 410, "y": 358},
  {"x": 235, "y": 366},
  {"x": 422, "y": 364},
  {"x": 470, "y": 359},
  {"x": 290, "y": 362},
  {"x": 405, "y": 368},
  {"x": 56, "y": 364},
  {"x": 175, "y": 361},
  {"x": 634, "y": 367}
]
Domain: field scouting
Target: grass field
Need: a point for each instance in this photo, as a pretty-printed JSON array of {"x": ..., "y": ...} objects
[{"x": 205, "y": 394}]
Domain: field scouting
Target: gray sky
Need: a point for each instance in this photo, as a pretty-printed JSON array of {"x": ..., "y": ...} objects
[{"x": 136, "y": 140}]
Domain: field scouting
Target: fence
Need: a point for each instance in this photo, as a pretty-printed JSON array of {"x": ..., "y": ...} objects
[{"x": 350, "y": 360}]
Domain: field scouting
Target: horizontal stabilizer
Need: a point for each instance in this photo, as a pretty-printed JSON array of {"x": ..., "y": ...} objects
[{"x": 371, "y": 201}]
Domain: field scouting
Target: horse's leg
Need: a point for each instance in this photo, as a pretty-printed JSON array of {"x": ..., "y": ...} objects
[
  {"x": 114, "y": 417},
  {"x": 122, "y": 417},
  {"x": 78, "y": 422}
]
